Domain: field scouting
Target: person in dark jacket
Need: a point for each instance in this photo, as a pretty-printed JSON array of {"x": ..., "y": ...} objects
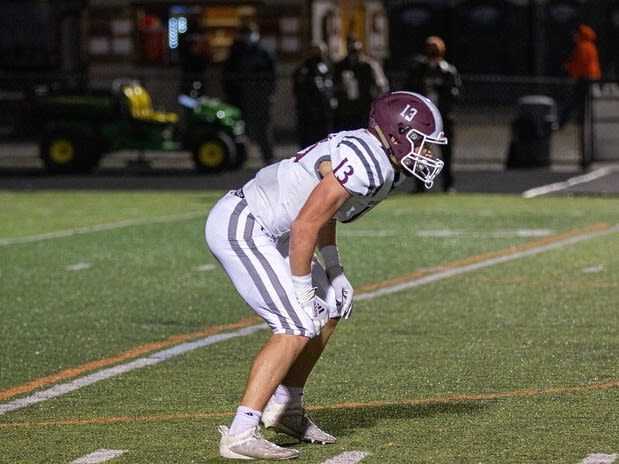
[
  {"x": 431, "y": 75},
  {"x": 249, "y": 82},
  {"x": 359, "y": 79},
  {"x": 195, "y": 55},
  {"x": 314, "y": 95}
]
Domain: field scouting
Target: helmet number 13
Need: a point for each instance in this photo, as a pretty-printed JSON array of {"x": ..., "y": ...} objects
[{"x": 408, "y": 113}]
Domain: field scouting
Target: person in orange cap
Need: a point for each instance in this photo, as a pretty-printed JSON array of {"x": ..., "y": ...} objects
[{"x": 431, "y": 75}]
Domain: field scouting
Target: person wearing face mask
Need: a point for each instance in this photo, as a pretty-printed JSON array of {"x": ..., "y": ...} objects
[
  {"x": 249, "y": 81},
  {"x": 359, "y": 79},
  {"x": 431, "y": 75},
  {"x": 312, "y": 83}
]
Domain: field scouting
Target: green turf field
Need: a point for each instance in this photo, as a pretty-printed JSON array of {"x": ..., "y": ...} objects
[{"x": 500, "y": 345}]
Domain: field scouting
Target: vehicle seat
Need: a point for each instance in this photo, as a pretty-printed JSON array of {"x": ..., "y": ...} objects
[{"x": 141, "y": 106}]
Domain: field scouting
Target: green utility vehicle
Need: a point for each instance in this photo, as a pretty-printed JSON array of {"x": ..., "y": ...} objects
[{"x": 78, "y": 130}]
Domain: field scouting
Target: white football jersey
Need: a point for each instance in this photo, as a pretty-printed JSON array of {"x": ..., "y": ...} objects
[{"x": 277, "y": 192}]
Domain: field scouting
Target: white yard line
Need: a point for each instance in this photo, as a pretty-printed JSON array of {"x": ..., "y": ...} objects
[
  {"x": 78, "y": 266},
  {"x": 154, "y": 358},
  {"x": 348, "y": 457},
  {"x": 599, "y": 459},
  {"x": 100, "y": 455},
  {"x": 583, "y": 179},
  {"x": 102, "y": 227}
]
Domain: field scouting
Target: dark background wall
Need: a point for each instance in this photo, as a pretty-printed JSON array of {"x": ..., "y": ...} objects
[{"x": 503, "y": 37}]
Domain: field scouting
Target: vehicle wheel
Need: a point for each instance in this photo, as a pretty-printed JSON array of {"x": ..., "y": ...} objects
[
  {"x": 215, "y": 152},
  {"x": 65, "y": 152}
]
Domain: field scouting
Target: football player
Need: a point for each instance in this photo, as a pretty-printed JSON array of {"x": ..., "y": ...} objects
[{"x": 265, "y": 236}]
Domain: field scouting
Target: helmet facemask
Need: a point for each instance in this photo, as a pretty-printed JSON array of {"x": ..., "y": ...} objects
[
  {"x": 418, "y": 162},
  {"x": 407, "y": 124}
]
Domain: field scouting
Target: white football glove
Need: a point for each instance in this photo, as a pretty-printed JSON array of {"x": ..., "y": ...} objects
[
  {"x": 343, "y": 290},
  {"x": 314, "y": 306}
]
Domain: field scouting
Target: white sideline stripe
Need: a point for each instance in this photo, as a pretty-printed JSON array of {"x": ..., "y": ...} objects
[
  {"x": 100, "y": 455},
  {"x": 348, "y": 457},
  {"x": 583, "y": 179},
  {"x": 159, "y": 356},
  {"x": 599, "y": 459},
  {"x": 150, "y": 360},
  {"x": 475, "y": 266},
  {"x": 102, "y": 227}
]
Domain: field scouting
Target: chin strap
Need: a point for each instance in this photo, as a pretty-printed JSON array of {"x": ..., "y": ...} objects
[{"x": 386, "y": 145}]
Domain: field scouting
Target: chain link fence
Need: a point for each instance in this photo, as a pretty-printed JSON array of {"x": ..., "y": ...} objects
[{"x": 483, "y": 124}]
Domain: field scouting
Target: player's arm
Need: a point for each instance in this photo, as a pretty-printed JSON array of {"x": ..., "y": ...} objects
[
  {"x": 335, "y": 272},
  {"x": 314, "y": 221},
  {"x": 327, "y": 234}
]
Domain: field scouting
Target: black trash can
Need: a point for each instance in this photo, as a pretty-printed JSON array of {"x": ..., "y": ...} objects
[{"x": 535, "y": 121}]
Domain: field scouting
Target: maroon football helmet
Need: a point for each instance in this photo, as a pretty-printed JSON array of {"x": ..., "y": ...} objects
[{"x": 407, "y": 124}]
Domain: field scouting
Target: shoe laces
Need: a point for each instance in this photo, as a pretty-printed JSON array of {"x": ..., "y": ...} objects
[{"x": 255, "y": 433}]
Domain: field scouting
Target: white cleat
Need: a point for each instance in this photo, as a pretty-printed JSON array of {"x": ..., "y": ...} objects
[
  {"x": 294, "y": 421},
  {"x": 250, "y": 445}
]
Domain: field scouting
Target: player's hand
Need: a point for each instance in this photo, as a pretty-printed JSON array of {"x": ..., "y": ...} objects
[
  {"x": 343, "y": 290},
  {"x": 315, "y": 308}
]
